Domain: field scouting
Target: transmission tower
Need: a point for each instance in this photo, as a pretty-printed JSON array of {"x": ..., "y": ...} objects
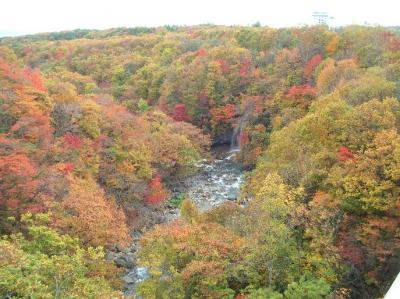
[{"x": 321, "y": 17}]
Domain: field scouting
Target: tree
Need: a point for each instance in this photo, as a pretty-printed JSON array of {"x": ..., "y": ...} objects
[
  {"x": 156, "y": 193},
  {"x": 119, "y": 79},
  {"x": 270, "y": 243},
  {"x": 321, "y": 219},
  {"x": 187, "y": 260},
  {"x": 179, "y": 113},
  {"x": 368, "y": 56},
  {"x": 302, "y": 95},
  {"x": 5, "y": 119},
  {"x": 307, "y": 288},
  {"x": 261, "y": 293},
  {"x": 142, "y": 106},
  {"x": 332, "y": 45},
  {"x": 223, "y": 114},
  {"x": 189, "y": 211},
  {"x": 72, "y": 141},
  {"x": 287, "y": 67},
  {"x": 34, "y": 78},
  {"x": 344, "y": 154},
  {"x": 369, "y": 86},
  {"x": 252, "y": 141},
  {"x": 19, "y": 186},
  {"x": 88, "y": 214},
  {"x": 45, "y": 264},
  {"x": 244, "y": 68},
  {"x": 85, "y": 110},
  {"x": 90, "y": 121},
  {"x": 311, "y": 65},
  {"x": 65, "y": 118},
  {"x": 331, "y": 74}
]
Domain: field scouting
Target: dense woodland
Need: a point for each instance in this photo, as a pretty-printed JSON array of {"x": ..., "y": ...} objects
[{"x": 94, "y": 123}]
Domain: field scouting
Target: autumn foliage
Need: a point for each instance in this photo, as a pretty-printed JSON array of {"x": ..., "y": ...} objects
[
  {"x": 201, "y": 52},
  {"x": 301, "y": 91},
  {"x": 344, "y": 154},
  {"x": 245, "y": 67},
  {"x": 35, "y": 78},
  {"x": 223, "y": 114},
  {"x": 86, "y": 212},
  {"x": 66, "y": 168},
  {"x": 193, "y": 254},
  {"x": 179, "y": 113},
  {"x": 350, "y": 250},
  {"x": 311, "y": 65},
  {"x": 72, "y": 141},
  {"x": 156, "y": 192},
  {"x": 18, "y": 182},
  {"x": 224, "y": 65},
  {"x": 95, "y": 123}
]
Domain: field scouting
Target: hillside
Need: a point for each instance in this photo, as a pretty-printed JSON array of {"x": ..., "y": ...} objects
[{"x": 98, "y": 127}]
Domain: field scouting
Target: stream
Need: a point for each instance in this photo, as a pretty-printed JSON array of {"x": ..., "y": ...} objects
[{"x": 214, "y": 182}]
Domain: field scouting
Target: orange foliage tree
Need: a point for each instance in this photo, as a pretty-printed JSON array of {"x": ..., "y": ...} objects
[
  {"x": 34, "y": 77},
  {"x": 87, "y": 213},
  {"x": 18, "y": 183}
]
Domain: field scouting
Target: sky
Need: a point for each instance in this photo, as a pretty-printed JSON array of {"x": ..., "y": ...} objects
[{"x": 33, "y": 16}]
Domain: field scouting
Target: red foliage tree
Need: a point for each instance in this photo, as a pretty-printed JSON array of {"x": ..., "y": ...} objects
[
  {"x": 35, "y": 127},
  {"x": 179, "y": 113},
  {"x": 244, "y": 68},
  {"x": 224, "y": 66},
  {"x": 223, "y": 114},
  {"x": 348, "y": 249},
  {"x": 201, "y": 52},
  {"x": 66, "y": 168},
  {"x": 302, "y": 91},
  {"x": 59, "y": 54},
  {"x": 72, "y": 141},
  {"x": 344, "y": 154},
  {"x": 392, "y": 42},
  {"x": 311, "y": 65},
  {"x": 18, "y": 184},
  {"x": 35, "y": 78},
  {"x": 244, "y": 138},
  {"x": 157, "y": 192}
]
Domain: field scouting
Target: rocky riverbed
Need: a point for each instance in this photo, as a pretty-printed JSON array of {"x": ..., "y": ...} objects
[{"x": 215, "y": 181}]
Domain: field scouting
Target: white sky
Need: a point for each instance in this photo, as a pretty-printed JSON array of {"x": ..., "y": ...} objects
[{"x": 32, "y": 16}]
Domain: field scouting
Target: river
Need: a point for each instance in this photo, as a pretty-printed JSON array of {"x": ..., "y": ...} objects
[{"x": 215, "y": 181}]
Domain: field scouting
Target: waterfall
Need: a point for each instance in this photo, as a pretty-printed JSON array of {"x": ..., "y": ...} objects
[{"x": 238, "y": 129}]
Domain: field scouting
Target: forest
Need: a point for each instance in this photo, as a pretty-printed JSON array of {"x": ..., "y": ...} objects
[{"x": 96, "y": 124}]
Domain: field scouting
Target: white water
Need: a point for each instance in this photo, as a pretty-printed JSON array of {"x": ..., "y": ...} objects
[{"x": 215, "y": 182}]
